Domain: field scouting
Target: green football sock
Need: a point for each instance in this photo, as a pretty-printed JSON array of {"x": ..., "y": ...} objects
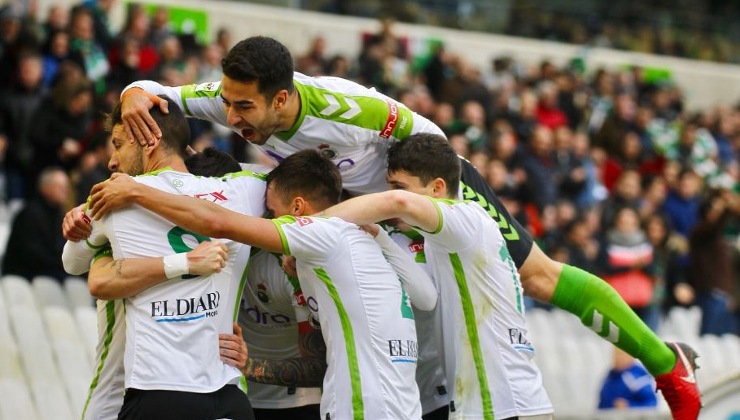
[{"x": 600, "y": 308}]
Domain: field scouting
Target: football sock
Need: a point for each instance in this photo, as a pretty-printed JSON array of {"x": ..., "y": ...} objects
[{"x": 601, "y": 308}]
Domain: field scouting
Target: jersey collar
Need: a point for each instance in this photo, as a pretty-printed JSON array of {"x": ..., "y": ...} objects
[
  {"x": 286, "y": 135},
  {"x": 157, "y": 171}
]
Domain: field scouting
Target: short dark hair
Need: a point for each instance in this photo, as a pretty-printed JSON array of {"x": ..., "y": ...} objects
[
  {"x": 174, "y": 126},
  {"x": 427, "y": 156},
  {"x": 212, "y": 162},
  {"x": 308, "y": 174},
  {"x": 262, "y": 59}
]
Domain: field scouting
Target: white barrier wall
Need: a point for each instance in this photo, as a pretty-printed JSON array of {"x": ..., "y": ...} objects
[{"x": 705, "y": 83}]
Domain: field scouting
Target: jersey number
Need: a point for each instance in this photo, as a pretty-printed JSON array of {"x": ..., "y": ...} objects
[
  {"x": 175, "y": 237},
  {"x": 406, "y": 311}
]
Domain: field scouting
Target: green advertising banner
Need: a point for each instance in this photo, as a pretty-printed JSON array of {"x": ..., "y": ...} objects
[{"x": 184, "y": 20}]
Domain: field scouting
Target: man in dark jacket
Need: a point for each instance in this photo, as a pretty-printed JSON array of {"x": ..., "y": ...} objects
[{"x": 35, "y": 244}]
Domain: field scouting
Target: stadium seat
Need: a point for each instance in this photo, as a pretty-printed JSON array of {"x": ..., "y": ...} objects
[
  {"x": 16, "y": 402},
  {"x": 38, "y": 363},
  {"x": 77, "y": 292},
  {"x": 17, "y": 291},
  {"x": 48, "y": 292},
  {"x": 87, "y": 325},
  {"x": 32, "y": 342},
  {"x": 51, "y": 400},
  {"x": 72, "y": 359}
]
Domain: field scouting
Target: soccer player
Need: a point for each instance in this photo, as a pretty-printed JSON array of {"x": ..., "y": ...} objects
[
  {"x": 172, "y": 363},
  {"x": 269, "y": 105},
  {"x": 364, "y": 312},
  {"x": 481, "y": 293}
]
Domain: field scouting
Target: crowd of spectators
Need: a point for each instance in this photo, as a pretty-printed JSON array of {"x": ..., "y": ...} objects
[
  {"x": 698, "y": 29},
  {"x": 609, "y": 172}
]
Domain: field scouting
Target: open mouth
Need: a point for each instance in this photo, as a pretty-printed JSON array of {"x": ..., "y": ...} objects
[{"x": 248, "y": 133}]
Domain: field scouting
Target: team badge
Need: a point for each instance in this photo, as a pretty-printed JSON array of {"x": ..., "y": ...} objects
[{"x": 326, "y": 151}]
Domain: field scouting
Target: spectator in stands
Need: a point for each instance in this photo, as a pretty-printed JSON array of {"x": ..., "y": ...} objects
[
  {"x": 16, "y": 39},
  {"x": 56, "y": 51},
  {"x": 539, "y": 165},
  {"x": 85, "y": 48},
  {"x": 628, "y": 385},
  {"x": 210, "y": 66},
  {"x": 314, "y": 62},
  {"x": 99, "y": 11},
  {"x": 569, "y": 173},
  {"x": 616, "y": 126},
  {"x": 93, "y": 167},
  {"x": 173, "y": 69},
  {"x": 525, "y": 121},
  {"x": 627, "y": 264},
  {"x": 136, "y": 27},
  {"x": 711, "y": 271},
  {"x": 548, "y": 112},
  {"x": 160, "y": 29},
  {"x": 593, "y": 190},
  {"x": 126, "y": 69},
  {"x": 682, "y": 204},
  {"x": 583, "y": 248},
  {"x": 17, "y": 109},
  {"x": 627, "y": 193},
  {"x": 62, "y": 124},
  {"x": 35, "y": 243},
  {"x": 57, "y": 20},
  {"x": 670, "y": 253}
]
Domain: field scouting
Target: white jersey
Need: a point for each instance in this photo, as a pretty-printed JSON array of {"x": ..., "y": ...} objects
[
  {"x": 172, "y": 328},
  {"x": 271, "y": 308},
  {"x": 347, "y": 122},
  {"x": 371, "y": 341},
  {"x": 488, "y": 358},
  {"x": 105, "y": 396},
  {"x": 429, "y": 371}
]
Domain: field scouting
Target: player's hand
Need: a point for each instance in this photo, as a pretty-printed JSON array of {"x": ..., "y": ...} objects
[
  {"x": 115, "y": 193},
  {"x": 76, "y": 225},
  {"x": 139, "y": 124},
  {"x": 233, "y": 348},
  {"x": 207, "y": 258},
  {"x": 289, "y": 266},
  {"x": 373, "y": 229}
]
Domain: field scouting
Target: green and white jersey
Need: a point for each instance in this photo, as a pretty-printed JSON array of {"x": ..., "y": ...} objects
[
  {"x": 365, "y": 315},
  {"x": 429, "y": 371},
  {"x": 105, "y": 396},
  {"x": 347, "y": 122},
  {"x": 271, "y": 308},
  {"x": 488, "y": 357},
  {"x": 172, "y": 329}
]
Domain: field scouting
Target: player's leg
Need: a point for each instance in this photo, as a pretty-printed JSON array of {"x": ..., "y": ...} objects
[
  {"x": 591, "y": 299},
  {"x": 306, "y": 412},
  {"x": 233, "y": 404}
]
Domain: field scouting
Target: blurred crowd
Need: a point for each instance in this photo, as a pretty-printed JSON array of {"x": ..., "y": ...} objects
[
  {"x": 698, "y": 29},
  {"x": 606, "y": 169}
]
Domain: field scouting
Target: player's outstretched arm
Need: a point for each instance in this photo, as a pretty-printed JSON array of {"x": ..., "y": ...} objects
[
  {"x": 122, "y": 278},
  {"x": 307, "y": 371},
  {"x": 415, "y": 280},
  {"x": 190, "y": 213},
  {"x": 416, "y": 210}
]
